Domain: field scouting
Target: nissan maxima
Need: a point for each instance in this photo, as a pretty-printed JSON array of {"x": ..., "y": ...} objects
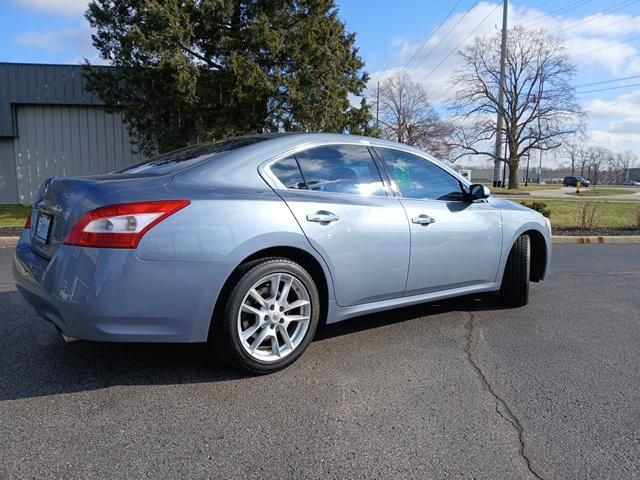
[{"x": 250, "y": 243}]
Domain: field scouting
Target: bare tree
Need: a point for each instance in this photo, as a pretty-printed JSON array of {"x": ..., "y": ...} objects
[
  {"x": 406, "y": 116},
  {"x": 584, "y": 157},
  {"x": 572, "y": 150},
  {"x": 596, "y": 158},
  {"x": 540, "y": 110},
  {"x": 625, "y": 161},
  {"x": 615, "y": 165}
]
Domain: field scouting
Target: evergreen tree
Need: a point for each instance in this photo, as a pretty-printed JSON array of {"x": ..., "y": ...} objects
[{"x": 192, "y": 70}]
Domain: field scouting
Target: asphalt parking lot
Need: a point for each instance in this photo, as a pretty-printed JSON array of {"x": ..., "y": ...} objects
[{"x": 461, "y": 389}]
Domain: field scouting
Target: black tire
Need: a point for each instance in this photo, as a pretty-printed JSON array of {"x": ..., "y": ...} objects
[
  {"x": 514, "y": 291},
  {"x": 224, "y": 336}
]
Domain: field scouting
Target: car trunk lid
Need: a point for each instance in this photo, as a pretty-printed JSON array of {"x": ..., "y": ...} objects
[{"x": 62, "y": 201}]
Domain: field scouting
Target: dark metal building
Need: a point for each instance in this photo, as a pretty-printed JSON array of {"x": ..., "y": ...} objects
[{"x": 51, "y": 126}]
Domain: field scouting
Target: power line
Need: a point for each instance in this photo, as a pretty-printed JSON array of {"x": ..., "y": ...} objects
[
  {"x": 566, "y": 8},
  {"x": 590, "y": 84},
  {"x": 541, "y": 4},
  {"x": 602, "y": 82},
  {"x": 604, "y": 26},
  {"x": 443, "y": 38},
  {"x": 614, "y": 8},
  {"x": 426, "y": 40},
  {"x": 459, "y": 44},
  {"x": 608, "y": 88}
]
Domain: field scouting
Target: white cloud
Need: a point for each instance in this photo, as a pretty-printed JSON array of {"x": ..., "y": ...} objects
[
  {"x": 74, "y": 40},
  {"x": 600, "y": 42},
  {"x": 61, "y": 7},
  {"x": 615, "y": 123},
  {"x": 628, "y": 125},
  {"x": 624, "y": 106},
  {"x": 595, "y": 40},
  {"x": 433, "y": 64},
  {"x": 616, "y": 56},
  {"x": 51, "y": 41}
]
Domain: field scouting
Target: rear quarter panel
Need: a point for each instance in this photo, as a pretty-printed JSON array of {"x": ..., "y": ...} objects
[{"x": 215, "y": 234}]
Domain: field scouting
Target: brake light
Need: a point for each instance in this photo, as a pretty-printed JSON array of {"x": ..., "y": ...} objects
[
  {"x": 27, "y": 224},
  {"x": 122, "y": 225}
]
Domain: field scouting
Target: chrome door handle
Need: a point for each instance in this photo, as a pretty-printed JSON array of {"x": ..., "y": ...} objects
[
  {"x": 322, "y": 217},
  {"x": 423, "y": 219}
]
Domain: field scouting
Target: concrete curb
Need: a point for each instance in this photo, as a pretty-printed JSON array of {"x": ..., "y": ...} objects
[
  {"x": 11, "y": 242},
  {"x": 589, "y": 240},
  {"x": 6, "y": 242}
]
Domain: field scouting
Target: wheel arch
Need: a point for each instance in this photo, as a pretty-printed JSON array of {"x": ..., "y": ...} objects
[
  {"x": 539, "y": 255},
  {"x": 539, "y": 252},
  {"x": 307, "y": 260}
]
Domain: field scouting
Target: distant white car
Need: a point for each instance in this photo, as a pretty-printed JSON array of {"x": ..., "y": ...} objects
[{"x": 631, "y": 183}]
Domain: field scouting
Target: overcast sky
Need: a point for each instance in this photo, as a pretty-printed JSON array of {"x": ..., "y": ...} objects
[{"x": 602, "y": 37}]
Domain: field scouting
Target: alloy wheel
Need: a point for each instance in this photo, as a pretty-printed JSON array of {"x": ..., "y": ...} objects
[{"x": 274, "y": 317}]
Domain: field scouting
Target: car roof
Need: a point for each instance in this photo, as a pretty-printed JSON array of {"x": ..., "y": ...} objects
[
  {"x": 236, "y": 166},
  {"x": 281, "y": 142}
]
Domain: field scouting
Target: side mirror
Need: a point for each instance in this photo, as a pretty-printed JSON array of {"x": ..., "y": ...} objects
[{"x": 478, "y": 192}]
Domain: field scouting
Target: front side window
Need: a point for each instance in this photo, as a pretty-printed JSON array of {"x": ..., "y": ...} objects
[
  {"x": 419, "y": 178},
  {"x": 341, "y": 169}
]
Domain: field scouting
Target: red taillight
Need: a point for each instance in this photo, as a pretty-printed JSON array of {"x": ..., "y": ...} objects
[
  {"x": 27, "y": 224},
  {"x": 121, "y": 225}
]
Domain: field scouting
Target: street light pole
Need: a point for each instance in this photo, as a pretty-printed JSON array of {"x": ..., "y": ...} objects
[
  {"x": 526, "y": 178},
  {"x": 503, "y": 55}
]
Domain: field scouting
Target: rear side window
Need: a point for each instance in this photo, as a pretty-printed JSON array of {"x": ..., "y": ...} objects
[
  {"x": 419, "y": 178},
  {"x": 288, "y": 172},
  {"x": 341, "y": 169}
]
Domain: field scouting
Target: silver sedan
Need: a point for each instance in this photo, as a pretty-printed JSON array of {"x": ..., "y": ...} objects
[{"x": 250, "y": 243}]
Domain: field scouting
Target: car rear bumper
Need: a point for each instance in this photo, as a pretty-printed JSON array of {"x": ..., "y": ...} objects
[{"x": 112, "y": 295}]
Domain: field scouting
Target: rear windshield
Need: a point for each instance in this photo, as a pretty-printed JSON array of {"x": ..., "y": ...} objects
[{"x": 178, "y": 159}]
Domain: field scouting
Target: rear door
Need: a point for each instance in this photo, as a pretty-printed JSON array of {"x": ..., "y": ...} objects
[
  {"x": 339, "y": 199},
  {"x": 454, "y": 243}
]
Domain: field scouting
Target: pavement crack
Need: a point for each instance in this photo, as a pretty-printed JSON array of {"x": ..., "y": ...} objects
[{"x": 506, "y": 412}]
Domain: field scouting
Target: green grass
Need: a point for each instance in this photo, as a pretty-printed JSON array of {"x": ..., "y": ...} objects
[
  {"x": 564, "y": 213},
  {"x": 13, "y": 215},
  {"x": 524, "y": 190},
  {"x": 596, "y": 192}
]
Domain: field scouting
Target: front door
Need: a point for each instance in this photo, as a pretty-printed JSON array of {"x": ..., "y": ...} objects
[
  {"x": 454, "y": 243},
  {"x": 338, "y": 198}
]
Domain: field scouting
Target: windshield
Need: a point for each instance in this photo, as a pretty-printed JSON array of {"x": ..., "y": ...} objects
[{"x": 178, "y": 159}]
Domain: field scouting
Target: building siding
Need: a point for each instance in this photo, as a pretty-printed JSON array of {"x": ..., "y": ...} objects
[
  {"x": 8, "y": 190},
  {"x": 40, "y": 84},
  {"x": 63, "y": 141}
]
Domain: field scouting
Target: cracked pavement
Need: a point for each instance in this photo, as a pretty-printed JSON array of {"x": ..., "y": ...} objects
[{"x": 462, "y": 388}]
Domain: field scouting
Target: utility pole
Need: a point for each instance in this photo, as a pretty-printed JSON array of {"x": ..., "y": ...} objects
[
  {"x": 504, "y": 168},
  {"x": 503, "y": 55},
  {"x": 538, "y": 99},
  {"x": 378, "y": 108},
  {"x": 526, "y": 178},
  {"x": 540, "y": 168}
]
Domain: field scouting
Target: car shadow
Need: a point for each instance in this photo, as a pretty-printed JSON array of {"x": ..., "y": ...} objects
[
  {"x": 470, "y": 303},
  {"x": 35, "y": 362}
]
